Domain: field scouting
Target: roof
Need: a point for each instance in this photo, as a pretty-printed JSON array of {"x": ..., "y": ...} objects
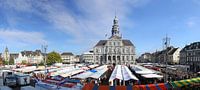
[
  {"x": 14, "y": 54},
  {"x": 28, "y": 53},
  {"x": 101, "y": 43},
  {"x": 125, "y": 43},
  {"x": 87, "y": 53},
  {"x": 152, "y": 76},
  {"x": 115, "y": 37},
  {"x": 67, "y": 53},
  {"x": 172, "y": 51},
  {"x": 192, "y": 46}
]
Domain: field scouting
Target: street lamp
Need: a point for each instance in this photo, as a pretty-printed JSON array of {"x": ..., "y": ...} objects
[{"x": 44, "y": 50}]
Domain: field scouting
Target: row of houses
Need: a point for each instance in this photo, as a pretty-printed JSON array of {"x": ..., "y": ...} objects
[
  {"x": 35, "y": 57},
  {"x": 189, "y": 55},
  {"x": 170, "y": 55}
]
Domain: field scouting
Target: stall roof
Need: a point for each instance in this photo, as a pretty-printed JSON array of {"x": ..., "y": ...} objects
[
  {"x": 123, "y": 73},
  {"x": 83, "y": 75},
  {"x": 127, "y": 74},
  {"x": 142, "y": 70},
  {"x": 100, "y": 71},
  {"x": 72, "y": 72},
  {"x": 116, "y": 73},
  {"x": 152, "y": 76}
]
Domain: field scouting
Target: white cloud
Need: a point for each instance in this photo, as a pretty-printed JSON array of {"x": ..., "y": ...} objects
[
  {"x": 86, "y": 19},
  {"x": 193, "y": 22},
  {"x": 21, "y": 37}
]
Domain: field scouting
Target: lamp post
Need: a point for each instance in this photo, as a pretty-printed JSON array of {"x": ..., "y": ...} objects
[
  {"x": 166, "y": 43},
  {"x": 44, "y": 50}
]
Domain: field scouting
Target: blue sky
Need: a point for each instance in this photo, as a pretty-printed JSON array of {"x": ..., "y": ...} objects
[{"x": 77, "y": 25}]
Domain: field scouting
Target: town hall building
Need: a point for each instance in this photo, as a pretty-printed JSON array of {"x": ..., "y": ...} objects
[{"x": 114, "y": 49}]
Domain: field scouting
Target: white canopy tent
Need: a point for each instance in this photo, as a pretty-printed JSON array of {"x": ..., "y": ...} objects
[
  {"x": 62, "y": 71},
  {"x": 93, "y": 66},
  {"x": 26, "y": 69},
  {"x": 83, "y": 75},
  {"x": 100, "y": 71},
  {"x": 123, "y": 73},
  {"x": 128, "y": 74},
  {"x": 152, "y": 76},
  {"x": 142, "y": 70},
  {"x": 72, "y": 72},
  {"x": 116, "y": 73}
]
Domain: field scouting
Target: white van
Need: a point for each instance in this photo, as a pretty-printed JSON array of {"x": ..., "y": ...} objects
[
  {"x": 8, "y": 78},
  {"x": 22, "y": 79}
]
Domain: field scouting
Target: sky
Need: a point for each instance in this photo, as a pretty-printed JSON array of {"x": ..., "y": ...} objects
[{"x": 77, "y": 25}]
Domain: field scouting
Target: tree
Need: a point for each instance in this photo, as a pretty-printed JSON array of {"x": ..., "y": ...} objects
[
  {"x": 1, "y": 61},
  {"x": 5, "y": 62},
  {"x": 11, "y": 61},
  {"x": 41, "y": 63},
  {"x": 24, "y": 62},
  {"x": 53, "y": 57}
]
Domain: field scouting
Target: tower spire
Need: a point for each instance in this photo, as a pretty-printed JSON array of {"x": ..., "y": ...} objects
[{"x": 115, "y": 27}]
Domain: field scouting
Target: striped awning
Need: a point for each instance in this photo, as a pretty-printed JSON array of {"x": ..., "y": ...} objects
[
  {"x": 160, "y": 86},
  {"x": 185, "y": 82}
]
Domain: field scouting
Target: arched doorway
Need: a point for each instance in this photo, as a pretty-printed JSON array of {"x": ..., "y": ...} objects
[
  {"x": 109, "y": 59},
  {"x": 114, "y": 59}
]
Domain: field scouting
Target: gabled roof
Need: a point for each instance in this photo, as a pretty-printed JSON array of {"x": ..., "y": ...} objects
[
  {"x": 172, "y": 51},
  {"x": 67, "y": 53},
  {"x": 14, "y": 54},
  {"x": 33, "y": 53}
]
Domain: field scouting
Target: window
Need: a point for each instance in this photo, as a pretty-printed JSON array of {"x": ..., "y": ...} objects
[
  {"x": 110, "y": 43},
  {"x": 127, "y": 57},
  {"x": 110, "y": 50},
  {"x": 131, "y": 57},
  {"x": 127, "y": 50},
  {"x": 118, "y": 51},
  {"x": 118, "y": 43},
  {"x": 97, "y": 50},
  {"x": 114, "y": 43},
  {"x": 97, "y": 58},
  {"x": 114, "y": 58}
]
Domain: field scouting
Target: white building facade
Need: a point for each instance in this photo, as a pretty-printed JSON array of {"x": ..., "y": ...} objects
[
  {"x": 30, "y": 57},
  {"x": 67, "y": 57},
  {"x": 174, "y": 56},
  {"x": 115, "y": 49},
  {"x": 88, "y": 57}
]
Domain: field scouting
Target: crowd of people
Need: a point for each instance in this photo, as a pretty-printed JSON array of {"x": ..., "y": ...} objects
[{"x": 175, "y": 75}]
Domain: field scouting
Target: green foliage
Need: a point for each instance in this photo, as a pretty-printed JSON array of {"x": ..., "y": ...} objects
[
  {"x": 11, "y": 61},
  {"x": 41, "y": 63},
  {"x": 5, "y": 62},
  {"x": 53, "y": 57},
  {"x": 24, "y": 62}
]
